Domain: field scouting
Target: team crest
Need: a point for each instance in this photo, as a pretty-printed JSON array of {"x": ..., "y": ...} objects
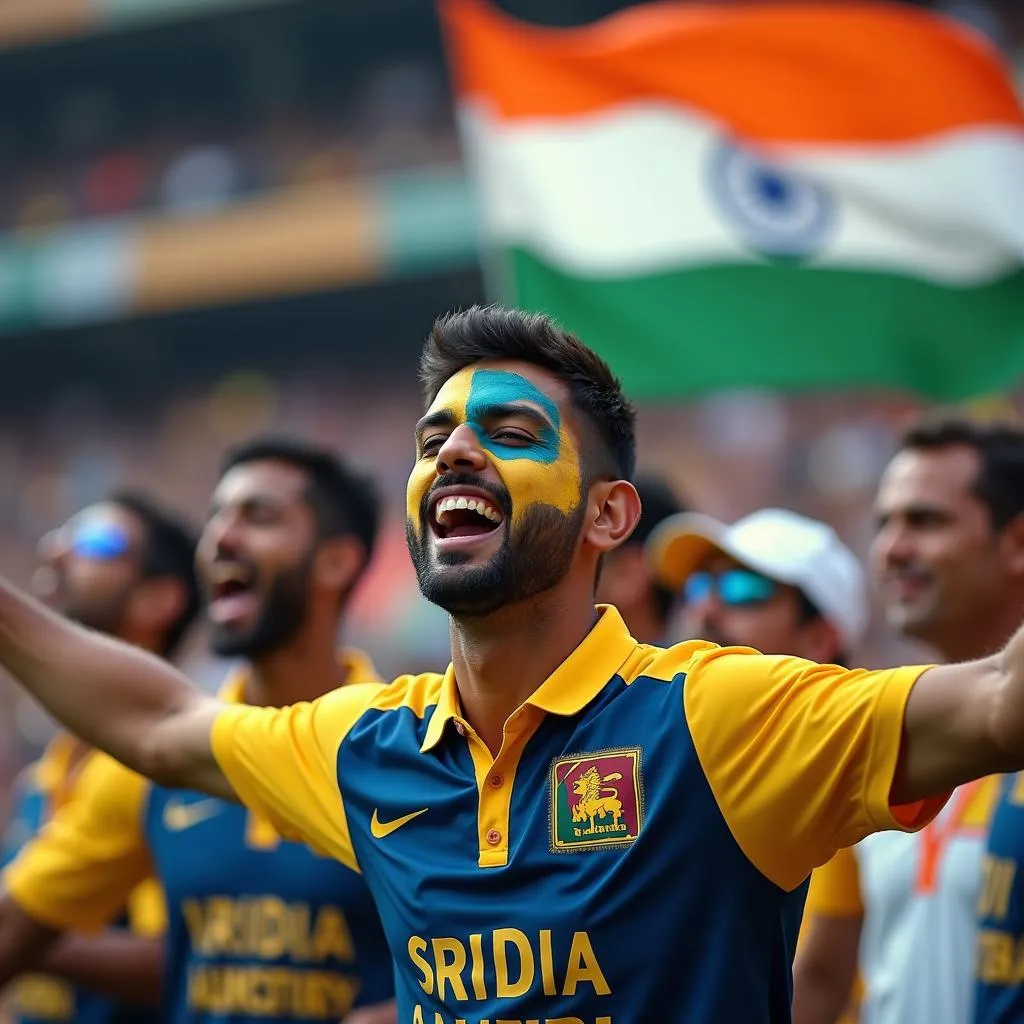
[{"x": 596, "y": 800}]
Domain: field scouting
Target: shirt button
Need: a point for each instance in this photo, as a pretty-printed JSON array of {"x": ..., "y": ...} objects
[
  {"x": 493, "y": 837},
  {"x": 495, "y": 781},
  {"x": 460, "y": 728}
]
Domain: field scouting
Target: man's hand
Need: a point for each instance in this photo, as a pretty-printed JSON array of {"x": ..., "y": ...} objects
[{"x": 116, "y": 697}]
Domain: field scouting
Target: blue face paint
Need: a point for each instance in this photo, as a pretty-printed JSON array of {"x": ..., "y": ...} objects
[
  {"x": 496, "y": 389},
  {"x": 544, "y": 470}
]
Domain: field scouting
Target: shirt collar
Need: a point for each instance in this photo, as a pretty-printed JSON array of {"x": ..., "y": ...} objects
[
  {"x": 360, "y": 670},
  {"x": 573, "y": 685}
]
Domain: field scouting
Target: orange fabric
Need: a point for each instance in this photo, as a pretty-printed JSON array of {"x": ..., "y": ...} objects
[{"x": 775, "y": 73}]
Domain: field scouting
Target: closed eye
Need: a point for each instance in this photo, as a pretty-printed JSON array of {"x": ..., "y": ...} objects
[
  {"x": 432, "y": 445},
  {"x": 512, "y": 436}
]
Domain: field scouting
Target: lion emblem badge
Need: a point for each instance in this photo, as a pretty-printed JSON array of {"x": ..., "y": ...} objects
[{"x": 596, "y": 800}]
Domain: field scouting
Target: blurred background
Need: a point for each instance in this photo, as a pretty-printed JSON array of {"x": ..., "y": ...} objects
[{"x": 225, "y": 216}]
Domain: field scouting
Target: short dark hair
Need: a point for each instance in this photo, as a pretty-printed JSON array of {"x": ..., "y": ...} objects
[
  {"x": 999, "y": 485},
  {"x": 168, "y": 550},
  {"x": 657, "y": 502},
  {"x": 460, "y": 339},
  {"x": 344, "y": 501}
]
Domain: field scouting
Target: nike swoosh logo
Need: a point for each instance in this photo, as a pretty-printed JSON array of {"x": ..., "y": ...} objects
[
  {"x": 379, "y": 829},
  {"x": 180, "y": 816}
]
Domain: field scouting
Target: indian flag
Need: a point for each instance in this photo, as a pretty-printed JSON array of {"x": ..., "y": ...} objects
[{"x": 779, "y": 195}]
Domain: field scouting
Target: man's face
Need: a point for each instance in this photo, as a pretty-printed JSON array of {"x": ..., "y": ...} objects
[
  {"x": 90, "y": 567},
  {"x": 494, "y": 502},
  {"x": 731, "y": 605},
  {"x": 255, "y": 558},
  {"x": 935, "y": 554}
]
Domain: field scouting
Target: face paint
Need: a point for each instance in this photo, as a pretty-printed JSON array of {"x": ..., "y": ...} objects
[{"x": 543, "y": 472}]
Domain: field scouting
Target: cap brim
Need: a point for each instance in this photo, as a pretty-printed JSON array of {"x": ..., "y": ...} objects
[{"x": 679, "y": 545}]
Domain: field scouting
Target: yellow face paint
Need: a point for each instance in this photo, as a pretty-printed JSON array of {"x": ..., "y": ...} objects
[{"x": 543, "y": 472}]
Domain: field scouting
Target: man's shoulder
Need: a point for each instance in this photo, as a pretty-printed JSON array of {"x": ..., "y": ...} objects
[
  {"x": 418, "y": 693},
  {"x": 674, "y": 662}
]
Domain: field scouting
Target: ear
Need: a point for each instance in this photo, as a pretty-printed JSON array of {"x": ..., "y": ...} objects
[
  {"x": 613, "y": 512},
  {"x": 1011, "y": 543},
  {"x": 338, "y": 564},
  {"x": 156, "y": 603}
]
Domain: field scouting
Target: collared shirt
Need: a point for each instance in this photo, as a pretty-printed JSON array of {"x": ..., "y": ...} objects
[
  {"x": 258, "y": 929},
  {"x": 999, "y": 963},
  {"x": 917, "y": 894},
  {"x": 636, "y": 850},
  {"x": 42, "y": 789}
]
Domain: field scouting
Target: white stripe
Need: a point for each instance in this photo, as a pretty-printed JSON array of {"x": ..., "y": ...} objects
[{"x": 626, "y": 192}]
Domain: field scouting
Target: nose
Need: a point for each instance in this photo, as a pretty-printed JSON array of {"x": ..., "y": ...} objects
[
  {"x": 893, "y": 545},
  {"x": 221, "y": 536},
  {"x": 704, "y": 611},
  {"x": 461, "y": 451}
]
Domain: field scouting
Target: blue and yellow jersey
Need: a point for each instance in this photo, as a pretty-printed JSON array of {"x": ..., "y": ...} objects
[
  {"x": 999, "y": 984},
  {"x": 637, "y": 850},
  {"x": 258, "y": 929},
  {"x": 43, "y": 789}
]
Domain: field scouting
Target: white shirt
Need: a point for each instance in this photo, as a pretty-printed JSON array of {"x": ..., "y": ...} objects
[{"x": 917, "y": 943}]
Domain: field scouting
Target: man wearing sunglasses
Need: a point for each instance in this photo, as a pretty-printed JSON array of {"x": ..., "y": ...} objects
[
  {"x": 259, "y": 929},
  {"x": 123, "y": 567},
  {"x": 775, "y": 581}
]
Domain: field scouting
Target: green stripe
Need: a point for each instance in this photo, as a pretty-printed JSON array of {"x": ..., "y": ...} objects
[
  {"x": 689, "y": 332},
  {"x": 427, "y": 221}
]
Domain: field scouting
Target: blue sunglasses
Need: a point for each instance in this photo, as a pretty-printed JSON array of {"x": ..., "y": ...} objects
[
  {"x": 736, "y": 588},
  {"x": 100, "y": 540}
]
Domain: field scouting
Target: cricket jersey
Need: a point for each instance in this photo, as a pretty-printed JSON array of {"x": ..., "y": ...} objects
[
  {"x": 636, "y": 851},
  {"x": 43, "y": 788},
  {"x": 999, "y": 981},
  {"x": 916, "y": 894},
  {"x": 258, "y": 929}
]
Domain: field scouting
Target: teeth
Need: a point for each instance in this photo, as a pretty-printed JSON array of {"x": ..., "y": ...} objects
[
  {"x": 478, "y": 505},
  {"x": 222, "y": 573}
]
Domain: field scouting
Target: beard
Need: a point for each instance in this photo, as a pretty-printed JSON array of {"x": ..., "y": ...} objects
[
  {"x": 534, "y": 557},
  {"x": 280, "y": 618}
]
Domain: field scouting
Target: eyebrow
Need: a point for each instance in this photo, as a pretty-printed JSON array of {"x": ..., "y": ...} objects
[
  {"x": 441, "y": 418},
  {"x": 501, "y": 409}
]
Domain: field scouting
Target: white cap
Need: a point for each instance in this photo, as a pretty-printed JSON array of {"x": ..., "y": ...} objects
[{"x": 777, "y": 543}]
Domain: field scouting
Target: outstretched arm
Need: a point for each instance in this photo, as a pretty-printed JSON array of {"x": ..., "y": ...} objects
[
  {"x": 963, "y": 722},
  {"x": 116, "y": 697}
]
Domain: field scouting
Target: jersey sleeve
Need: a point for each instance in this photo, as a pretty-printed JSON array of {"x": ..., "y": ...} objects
[
  {"x": 78, "y": 872},
  {"x": 282, "y": 763},
  {"x": 800, "y": 756},
  {"x": 835, "y": 888}
]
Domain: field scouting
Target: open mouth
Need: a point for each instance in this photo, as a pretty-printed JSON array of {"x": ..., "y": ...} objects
[
  {"x": 232, "y": 592},
  {"x": 464, "y": 516}
]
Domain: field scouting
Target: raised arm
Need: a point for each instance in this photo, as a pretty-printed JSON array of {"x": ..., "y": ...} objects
[
  {"x": 963, "y": 722},
  {"x": 116, "y": 697}
]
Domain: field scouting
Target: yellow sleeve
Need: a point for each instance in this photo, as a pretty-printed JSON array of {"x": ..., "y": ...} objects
[
  {"x": 78, "y": 872},
  {"x": 800, "y": 756},
  {"x": 835, "y": 888},
  {"x": 282, "y": 763},
  {"x": 147, "y": 911}
]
